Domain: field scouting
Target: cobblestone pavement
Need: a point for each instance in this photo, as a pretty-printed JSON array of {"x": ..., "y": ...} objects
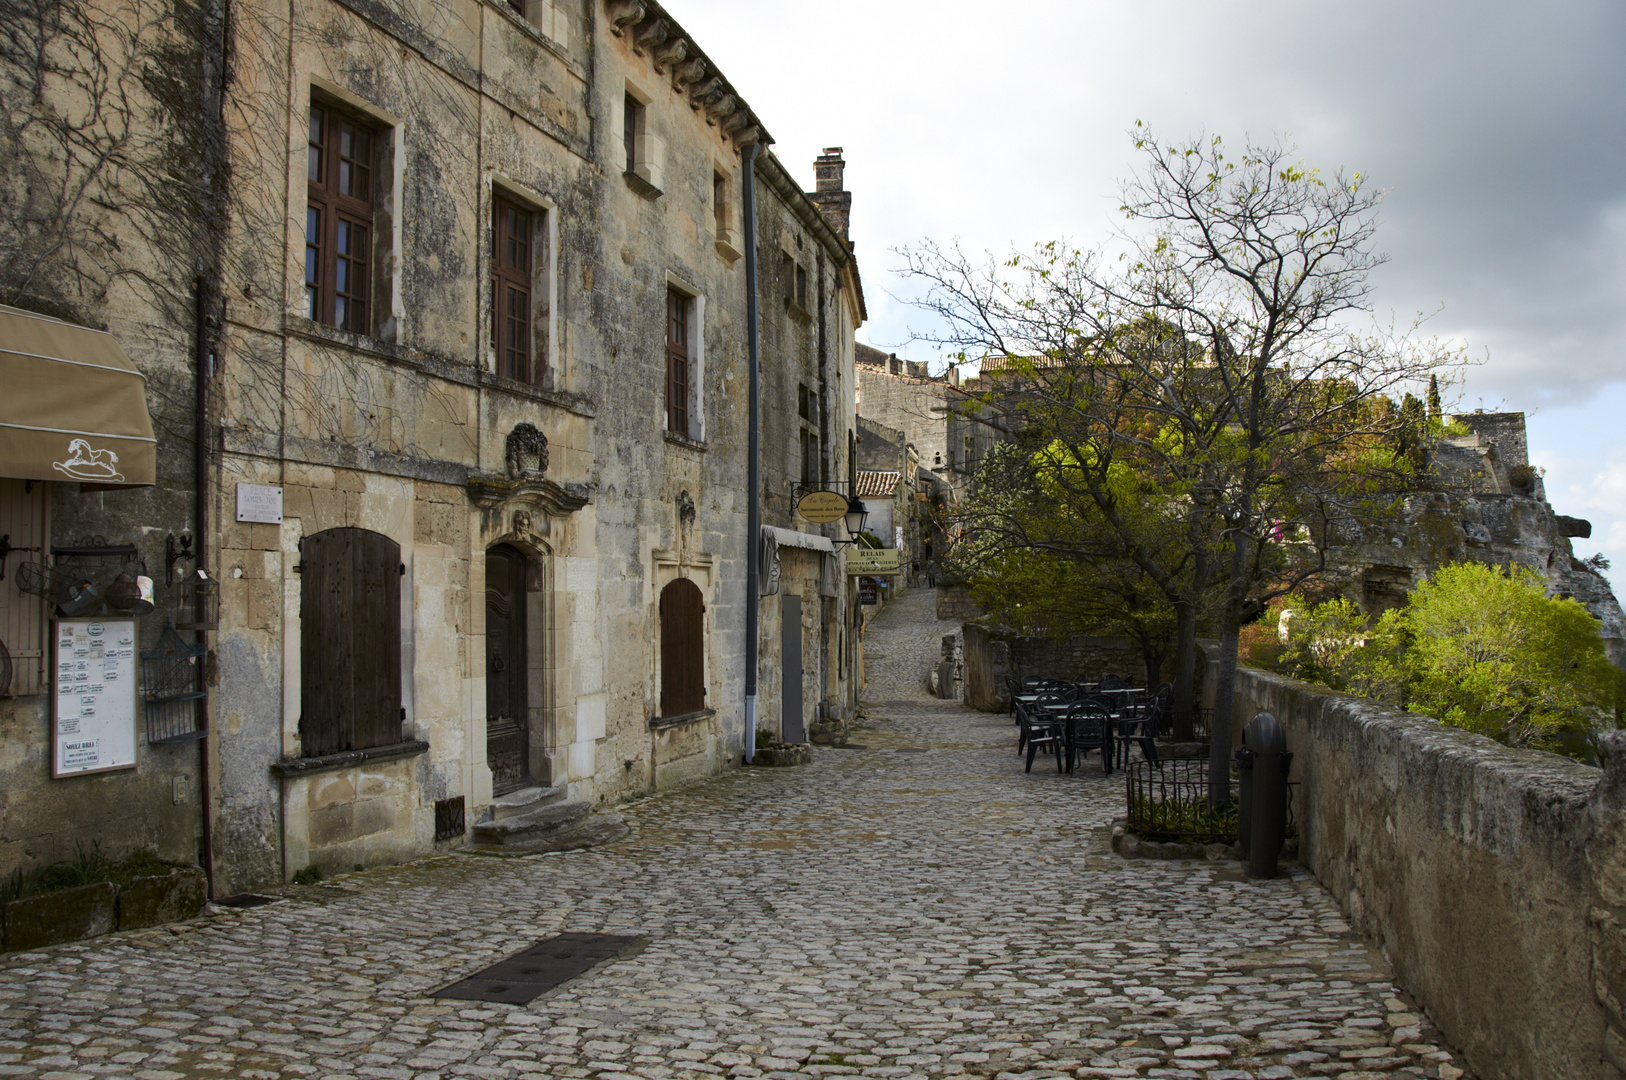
[{"x": 917, "y": 908}]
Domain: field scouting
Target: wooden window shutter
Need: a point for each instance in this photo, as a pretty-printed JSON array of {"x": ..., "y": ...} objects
[
  {"x": 22, "y": 615},
  {"x": 683, "y": 678},
  {"x": 350, "y": 641}
]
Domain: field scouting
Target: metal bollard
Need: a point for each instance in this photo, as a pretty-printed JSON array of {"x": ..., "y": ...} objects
[{"x": 1262, "y": 823}]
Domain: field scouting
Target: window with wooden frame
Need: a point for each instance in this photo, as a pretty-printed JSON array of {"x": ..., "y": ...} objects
[
  {"x": 349, "y": 642},
  {"x": 683, "y": 631},
  {"x": 339, "y": 219},
  {"x": 679, "y": 312},
  {"x": 513, "y": 255}
]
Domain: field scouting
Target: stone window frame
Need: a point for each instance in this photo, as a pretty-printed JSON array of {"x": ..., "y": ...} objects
[
  {"x": 546, "y": 370},
  {"x": 666, "y": 566},
  {"x": 724, "y": 219},
  {"x": 634, "y": 142},
  {"x": 387, "y": 318},
  {"x": 543, "y": 16}
]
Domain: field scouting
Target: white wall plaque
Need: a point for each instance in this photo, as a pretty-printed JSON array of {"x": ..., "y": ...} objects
[
  {"x": 259, "y": 503},
  {"x": 93, "y": 699}
]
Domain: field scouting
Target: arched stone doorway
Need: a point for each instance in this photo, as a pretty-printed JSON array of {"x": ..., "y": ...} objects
[{"x": 507, "y": 669}]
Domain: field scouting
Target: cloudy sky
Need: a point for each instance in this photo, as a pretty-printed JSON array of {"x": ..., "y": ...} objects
[{"x": 1497, "y": 129}]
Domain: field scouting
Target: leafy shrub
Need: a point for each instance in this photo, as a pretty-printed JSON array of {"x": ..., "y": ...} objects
[
  {"x": 308, "y": 876},
  {"x": 1474, "y": 648}
]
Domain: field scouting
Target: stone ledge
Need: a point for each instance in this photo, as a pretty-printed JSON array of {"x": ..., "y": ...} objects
[
  {"x": 783, "y": 755},
  {"x": 289, "y": 767},
  {"x": 658, "y": 722}
]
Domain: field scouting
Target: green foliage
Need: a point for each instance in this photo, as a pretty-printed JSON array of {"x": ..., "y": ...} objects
[
  {"x": 308, "y": 876},
  {"x": 1474, "y": 648},
  {"x": 1189, "y": 820},
  {"x": 1494, "y": 654}
]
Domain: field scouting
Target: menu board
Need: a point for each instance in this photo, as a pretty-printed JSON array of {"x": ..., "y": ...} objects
[{"x": 93, "y": 673}]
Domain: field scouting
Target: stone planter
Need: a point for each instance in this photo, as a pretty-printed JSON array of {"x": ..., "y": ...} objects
[
  {"x": 64, "y": 915},
  {"x": 782, "y": 755},
  {"x": 153, "y": 901}
]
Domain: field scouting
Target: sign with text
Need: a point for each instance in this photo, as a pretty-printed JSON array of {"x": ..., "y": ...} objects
[
  {"x": 259, "y": 503},
  {"x": 822, "y": 507},
  {"x": 93, "y": 699},
  {"x": 874, "y": 561}
]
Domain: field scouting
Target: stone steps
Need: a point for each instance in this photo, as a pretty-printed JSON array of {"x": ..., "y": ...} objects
[
  {"x": 525, "y": 800},
  {"x": 536, "y": 823}
]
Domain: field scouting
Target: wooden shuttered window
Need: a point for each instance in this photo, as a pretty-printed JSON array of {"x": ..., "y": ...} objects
[
  {"x": 678, "y": 313},
  {"x": 22, "y": 615},
  {"x": 512, "y": 230},
  {"x": 683, "y": 628},
  {"x": 339, "y": 221},
  {"x": 350, "y": 641}
]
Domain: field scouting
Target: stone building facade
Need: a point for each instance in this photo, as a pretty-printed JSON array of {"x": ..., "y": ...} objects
[{"x": 476, "y": 341}]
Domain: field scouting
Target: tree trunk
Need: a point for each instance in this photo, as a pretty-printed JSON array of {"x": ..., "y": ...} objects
[
  {"x": 1219, "y": 729},
  {"x": 1185, "y": 670}
]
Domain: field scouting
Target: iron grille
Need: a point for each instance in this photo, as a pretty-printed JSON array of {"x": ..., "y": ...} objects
[
  {"x": 171, "y": 690},
  {"x": 449, "y": 820}
]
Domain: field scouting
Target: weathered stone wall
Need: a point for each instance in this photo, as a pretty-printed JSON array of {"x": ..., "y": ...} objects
[
  {"x": 1491, "y": 878},
  {"x": 993, "y": 654}
]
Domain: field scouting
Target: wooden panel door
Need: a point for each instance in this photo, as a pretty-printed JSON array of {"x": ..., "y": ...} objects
[
  {"x": 792, "y": 726},
  {"x": 507, "y": 715},
  {"x": 350, "y": 641},
  {"x": 683, "y": 621}
]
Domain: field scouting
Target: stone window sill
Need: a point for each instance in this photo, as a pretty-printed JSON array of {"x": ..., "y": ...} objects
[
  {"x": 798, "y": 313},
  {"x": 641, "y": 186},
  {"x": 658, "y": 722},
  {"x": 684, "y": 441},
  {"x": 349, "y": 759}
]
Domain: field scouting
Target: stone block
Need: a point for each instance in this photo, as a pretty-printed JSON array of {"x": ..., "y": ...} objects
[
  {"x": 162, "y": 898},
  {"x": 65, "y": 915},
  {"x": 326, "y": 791}
]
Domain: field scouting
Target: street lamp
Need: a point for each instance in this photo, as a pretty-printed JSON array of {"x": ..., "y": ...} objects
[{"x": 854, "y": 519}]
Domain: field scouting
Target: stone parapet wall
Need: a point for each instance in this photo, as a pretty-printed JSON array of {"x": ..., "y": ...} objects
[{"x": 1493, "y": 879}]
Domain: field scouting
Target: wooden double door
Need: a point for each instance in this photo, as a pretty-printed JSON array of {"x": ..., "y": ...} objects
[{"x": 508, "y": 749}]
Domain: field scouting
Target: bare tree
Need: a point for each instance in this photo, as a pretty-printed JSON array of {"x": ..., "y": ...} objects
[{"x": 1211, "y": 359}]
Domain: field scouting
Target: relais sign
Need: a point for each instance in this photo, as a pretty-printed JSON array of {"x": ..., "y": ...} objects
[
  {"x": 874, "y": 562},
  {"x": 93, "y": 707}
]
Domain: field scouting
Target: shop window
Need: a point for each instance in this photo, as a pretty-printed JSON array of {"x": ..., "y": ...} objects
[
  {"x": 341, "y": 284},
  {"x": 350, "y": 641},
  {"x": 683, "y": 627}
]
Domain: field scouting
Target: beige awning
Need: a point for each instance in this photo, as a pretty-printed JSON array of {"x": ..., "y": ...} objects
[{"x": 72, "y": 406}]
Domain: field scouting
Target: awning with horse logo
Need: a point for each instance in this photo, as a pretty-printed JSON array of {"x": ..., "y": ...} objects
[{"x": 72, "y": 406}]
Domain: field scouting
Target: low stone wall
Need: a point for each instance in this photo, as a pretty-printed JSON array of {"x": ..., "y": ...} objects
[
  {"x": 994, "y": 653},
  {"x": 1494, "y": 880}
]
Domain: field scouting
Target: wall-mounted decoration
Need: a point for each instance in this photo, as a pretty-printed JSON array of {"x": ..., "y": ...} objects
[
  {"x": 171, "y": 690},
  {"x": 93, "y": 699}
]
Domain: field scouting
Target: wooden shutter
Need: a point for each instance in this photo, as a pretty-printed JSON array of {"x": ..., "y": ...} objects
[
  {"x": 350, "y": 641},
  {"x": 683, "y": 621},
  {"x": 22, "y": 615}
]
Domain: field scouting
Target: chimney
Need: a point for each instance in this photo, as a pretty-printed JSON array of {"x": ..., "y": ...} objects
[{"x": 829, "y": 194}]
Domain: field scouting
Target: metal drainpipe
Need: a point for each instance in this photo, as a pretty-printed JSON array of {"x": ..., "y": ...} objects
[
  {"x": 753, "y": 514},
  {"x": 200, "y": 489}
]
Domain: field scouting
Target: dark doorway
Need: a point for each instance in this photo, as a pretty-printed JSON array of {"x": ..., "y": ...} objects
[
  {"x": 791, "y": 726},
  {"x": 507, "y": 745},
  {"x": 683, "y": 627}
]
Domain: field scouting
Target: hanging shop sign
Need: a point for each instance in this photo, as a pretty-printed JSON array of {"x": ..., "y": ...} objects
[
  {"x": 874, "y": 561},
  {"x": 93, "y": 700},
  {"x": 869, "y": 591},
  {"x": 822, "y": 507}
]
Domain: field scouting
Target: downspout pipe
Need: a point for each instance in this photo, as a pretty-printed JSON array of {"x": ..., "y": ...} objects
[
  {"x": 200, "y": 488},
  {"x": 753, "y": 452}
]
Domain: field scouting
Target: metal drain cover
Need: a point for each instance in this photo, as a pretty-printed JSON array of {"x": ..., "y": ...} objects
[{"x": 532, "y": 972}]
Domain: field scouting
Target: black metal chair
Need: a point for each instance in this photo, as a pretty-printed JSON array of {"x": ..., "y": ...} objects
[
  {"x": 1042, "y": 726},
  {"x": 1088, "y": 727},
  {"x": 1113, "y": 682},
  {"x": 1013, "y": 687}
]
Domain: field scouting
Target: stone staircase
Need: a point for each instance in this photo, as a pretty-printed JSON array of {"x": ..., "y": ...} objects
[{"x": 540, "y": 819}]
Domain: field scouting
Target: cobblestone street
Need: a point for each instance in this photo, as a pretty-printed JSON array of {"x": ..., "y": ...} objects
[{"x": 917, "y": 907}]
